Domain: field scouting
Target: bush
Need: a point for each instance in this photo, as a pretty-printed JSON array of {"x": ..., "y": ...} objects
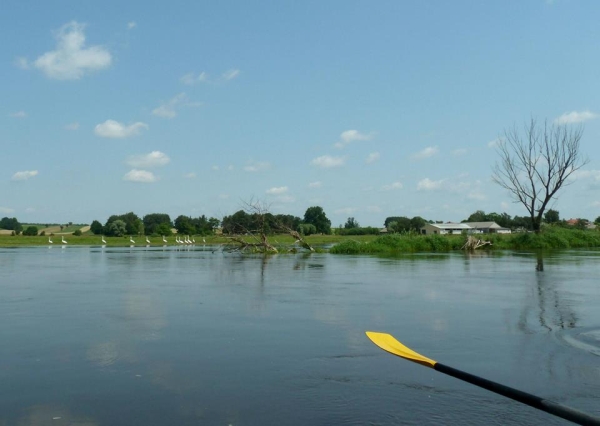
[
  {"x": 30, "y": 231},
  {"x": 77, "y": 233},
  {"x": 43, "y": 233}
]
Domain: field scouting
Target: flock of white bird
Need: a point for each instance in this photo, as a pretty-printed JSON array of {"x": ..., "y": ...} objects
[{"x": 185, "y": 241}]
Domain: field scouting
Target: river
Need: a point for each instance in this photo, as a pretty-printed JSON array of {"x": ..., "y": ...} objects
[{"x": 95, "y": 336}]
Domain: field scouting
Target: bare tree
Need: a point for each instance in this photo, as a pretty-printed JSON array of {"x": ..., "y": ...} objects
[{"x": 536, "y": 163}]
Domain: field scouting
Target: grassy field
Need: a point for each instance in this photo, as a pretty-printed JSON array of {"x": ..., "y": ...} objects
[
  {"x": 551, "y": 238},
  {"x": 90, "y": 239}
]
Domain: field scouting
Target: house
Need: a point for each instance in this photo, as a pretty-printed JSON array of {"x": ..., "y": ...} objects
[
  {"x": 486, "y": 228},
  {"x": 466, "y": 227},
  {"x": 444, "y": 228}
]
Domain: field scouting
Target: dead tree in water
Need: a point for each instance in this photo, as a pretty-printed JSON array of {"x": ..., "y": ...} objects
[
  {"x": 263, "y": 223},
  {"x": 473, "y": 243}
]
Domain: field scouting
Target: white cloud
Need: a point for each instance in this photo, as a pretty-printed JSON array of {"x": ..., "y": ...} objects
[
  {"x": 586, "y": 174},
  {"x": 495, "y": 143},
  {"x": 316, "y": 184},
  {"x": 327, "y": 161},
  {"x": 354, "y": 135},
  {"x": 393, "y": 186},
  {"x": 190, "y": 175},
  {"x": 230, "y": 74},
  {"x": 152, "y": 159},
  {"x": 29, "y": 210},
  {"x": 22, "y": 63},
  {"x": 277, "y": 190},
  {"x": 18, "y": 114},
  {"x": 215, "y": 168},
  {"x": 230, "y": 167},
  {"x": 190, "y": 78},
  {"x": 575, "y": 117},
  {"x": 131, "y": 25},
  {"x": 430, "y": 151},
  {"x": 430, "y": 185},
  {"x": 374, "y": 156},
  {"x": 24, "y": 175},
  {"x": 223, "y": 196},
  {"x": 114, "y": 129},
  {"x": 168, "y": 109},
  {"x": 255, "y": 166},
  {"x": 143, "y": 176},
  {"x": 348, "y": 136},
  {"x": 373, "y": 209},
  {"x": 71, "y": 59},
  {"x": 72, "y": 126},
  {"x": 459, "y": 152},
  {"x": 345, "y": 210},
  {"x": 504, "y": 205},
  {"x": 6, "y": 210}
]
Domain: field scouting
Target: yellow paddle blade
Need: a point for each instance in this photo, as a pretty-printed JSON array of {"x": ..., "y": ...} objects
[{"x": 388, "y": 343}]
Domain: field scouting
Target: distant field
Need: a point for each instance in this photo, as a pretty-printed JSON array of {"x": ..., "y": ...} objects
[
  {"x": 95, "y": 240},
  {"x": 52, "y": 229}
]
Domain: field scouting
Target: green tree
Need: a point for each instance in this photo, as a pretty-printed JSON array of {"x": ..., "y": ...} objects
[
  {"x": 390, "y": 219},
  {"x": 551, "y": 216},
  {"x": 116, "y": 228},
  {"x": 351, "y": 223},
  {"x": 306, "y": 229},
  {"x": 478, "y": 216},
  {"x": 163, "y": 229},
  {"x": 97, "y": 228},
  {"x": 401, "y": 224},
  {"x": 11, "y": 224},
  {"x": 536, "y": 163},
  {"x": 133, "y": 224},
  {"x": 184, "y": 225},
  {"x": 154, "y": 220},
  {"x": 416, "y": 223},
  {"x": 597, "y": 221},
  {"x": 316, "y": 216},
  {"x": 30, "y": 231}
]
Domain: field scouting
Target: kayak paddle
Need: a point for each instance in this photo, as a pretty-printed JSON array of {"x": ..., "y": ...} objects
[{"x": 388, "y": 343}]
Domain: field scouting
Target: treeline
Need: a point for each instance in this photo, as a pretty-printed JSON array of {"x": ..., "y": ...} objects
[{"x": 154, "y": 224}]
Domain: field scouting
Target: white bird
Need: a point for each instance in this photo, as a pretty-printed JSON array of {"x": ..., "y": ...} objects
[
  {"x": 103, "y": 240},
  {"x": 63, "y": 240},
  {"x": 50, "y": 240},
  {"x": 131, "y": 240},
  {"x": 147, "y": 240},
  {"x": 164, "y": 239},
  {"x": 204, "y": 240},
  {"x": 193, "y": 241}
]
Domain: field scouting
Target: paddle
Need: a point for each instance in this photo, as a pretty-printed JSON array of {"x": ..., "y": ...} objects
[{"x": 388, "y": 343}]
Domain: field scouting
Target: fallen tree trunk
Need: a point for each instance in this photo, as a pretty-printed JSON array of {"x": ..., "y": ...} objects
[{"x": 473, "y": 243}]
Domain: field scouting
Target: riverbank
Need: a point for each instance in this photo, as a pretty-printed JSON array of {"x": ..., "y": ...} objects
[{"x": 550, "y": 238}]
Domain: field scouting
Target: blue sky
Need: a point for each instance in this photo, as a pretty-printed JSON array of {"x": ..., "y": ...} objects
[{"x": 368, "y": 109}]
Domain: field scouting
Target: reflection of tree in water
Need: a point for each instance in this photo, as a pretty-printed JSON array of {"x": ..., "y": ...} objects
[{"x": 553, "y": 312}]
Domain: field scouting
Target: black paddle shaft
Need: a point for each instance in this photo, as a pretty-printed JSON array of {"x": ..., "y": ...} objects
[{"x": 548, "y": 406}]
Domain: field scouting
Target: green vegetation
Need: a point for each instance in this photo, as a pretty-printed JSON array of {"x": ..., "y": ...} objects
[{"x": 550, "y": 238}]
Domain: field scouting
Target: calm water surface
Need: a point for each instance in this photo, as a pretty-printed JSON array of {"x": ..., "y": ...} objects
[{"x": 101, "y": 336}]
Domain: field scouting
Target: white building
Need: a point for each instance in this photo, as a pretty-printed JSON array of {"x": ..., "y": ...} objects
[{"x": 467, "y": 227}]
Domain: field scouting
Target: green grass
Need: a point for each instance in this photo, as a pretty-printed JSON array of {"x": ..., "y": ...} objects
[
  {"x": 550, "y": 238},
  {"x": 389, "y": 245}
]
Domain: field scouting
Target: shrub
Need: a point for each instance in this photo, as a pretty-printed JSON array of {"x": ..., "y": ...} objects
[
  {"x": 77, "y": 233},
  {"x": 43, "y": 233},
  {"x": 30, "y": 231}
]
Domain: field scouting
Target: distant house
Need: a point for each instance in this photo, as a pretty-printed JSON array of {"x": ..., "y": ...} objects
[
  {"x": 486, "y": 228},
  {"x": 466, "y": 227},
  {"x": 444, "y": 228}
]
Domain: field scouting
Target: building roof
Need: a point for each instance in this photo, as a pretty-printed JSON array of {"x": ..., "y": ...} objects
[
  {"x": 483, "y": 225},
  {"x": 449, "y": 225}
]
